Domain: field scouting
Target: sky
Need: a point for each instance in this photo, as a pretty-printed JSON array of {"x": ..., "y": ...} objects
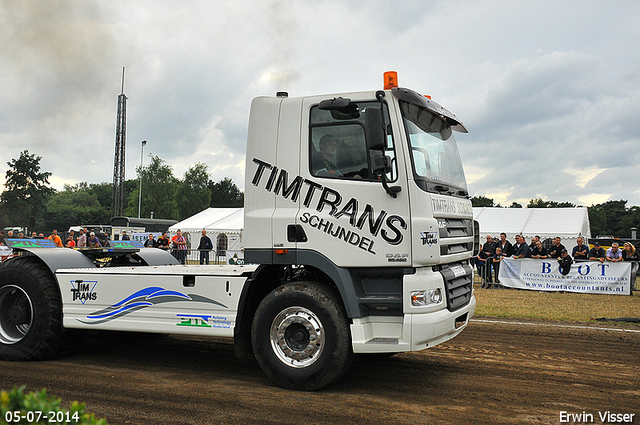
[{"x": 549, "y": 90}]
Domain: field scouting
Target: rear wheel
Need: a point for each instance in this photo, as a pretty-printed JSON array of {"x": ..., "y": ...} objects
[
  {"x": 30, "y": 312},
  {"x": 300, "y": 336},
  {"x": 16, "y": 314}
]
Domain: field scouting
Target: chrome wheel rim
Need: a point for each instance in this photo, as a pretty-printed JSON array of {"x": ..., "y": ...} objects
[
  {"x": 16, "y": 314},
  {"x": 297, "y": 337}
]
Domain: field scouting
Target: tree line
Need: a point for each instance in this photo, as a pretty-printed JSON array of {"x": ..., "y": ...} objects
[
  {"x": 29, "y": 201},
  {"x": 611, "y": 218}
]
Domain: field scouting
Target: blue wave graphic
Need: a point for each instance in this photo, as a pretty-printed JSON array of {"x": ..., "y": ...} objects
[
  {"x": 120, "y": 310},
  {"x": 167, "y": 292},
  {"x": 148, "y": 293},
  {"x": 143, "y": 298}
]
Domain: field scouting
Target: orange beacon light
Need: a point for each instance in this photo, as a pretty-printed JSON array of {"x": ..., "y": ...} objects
[{"x": 390, "y": 80}]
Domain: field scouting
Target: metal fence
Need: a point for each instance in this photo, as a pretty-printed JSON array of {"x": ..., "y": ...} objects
[
  {"x": 192, "y": 256},
  {"x": 486, "y": 275}
]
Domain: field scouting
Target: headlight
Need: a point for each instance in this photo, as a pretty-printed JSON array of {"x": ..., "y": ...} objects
[{"x": 425, "y": 298}]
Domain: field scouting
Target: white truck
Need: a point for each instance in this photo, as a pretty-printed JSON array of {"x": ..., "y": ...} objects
[{"x": 358, "y": 235}]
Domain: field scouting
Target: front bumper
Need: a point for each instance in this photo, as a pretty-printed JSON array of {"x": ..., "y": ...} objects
[{"x": 410, "y": 332}]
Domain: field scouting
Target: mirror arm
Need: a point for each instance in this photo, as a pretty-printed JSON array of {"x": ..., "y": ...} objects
[{"x": 391, "y": 190}]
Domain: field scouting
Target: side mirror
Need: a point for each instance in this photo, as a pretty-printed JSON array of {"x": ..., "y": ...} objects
[
  {"x": 379, "y": 162},
  {"x": 374, "y": 130},
  {"x": 376, "y": 133}
]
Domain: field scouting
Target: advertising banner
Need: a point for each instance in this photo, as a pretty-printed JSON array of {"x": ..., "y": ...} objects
[
  {"x": 235, "y": 258},
  {"x": 590, "y": 277},
  {"x": 142, "y": 237}
]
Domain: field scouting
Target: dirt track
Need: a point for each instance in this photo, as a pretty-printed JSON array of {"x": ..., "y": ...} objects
[{"x": 492, "y": 373}]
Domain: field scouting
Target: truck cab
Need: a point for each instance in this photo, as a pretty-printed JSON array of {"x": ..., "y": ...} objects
[{"x": 366, "y": 189}]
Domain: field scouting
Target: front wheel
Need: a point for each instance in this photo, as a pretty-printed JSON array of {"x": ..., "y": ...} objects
[
  {"x": 30, "y": 312},
  {"x": 300, "y": 336}
]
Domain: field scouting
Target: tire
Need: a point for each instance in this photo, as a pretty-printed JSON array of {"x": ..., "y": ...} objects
[
  {"x": 300, "y": 336},
  {"x": 30, "y": 312}
]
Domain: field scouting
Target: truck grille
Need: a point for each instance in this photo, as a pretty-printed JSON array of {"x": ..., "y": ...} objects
[
  {"x": 458, "y": 283},
  {"x": 450, "y": 228}
]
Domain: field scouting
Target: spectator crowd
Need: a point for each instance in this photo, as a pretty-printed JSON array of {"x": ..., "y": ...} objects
[
  {"x": 492, "y": 252},
  {"x": 86, "y": 238}
]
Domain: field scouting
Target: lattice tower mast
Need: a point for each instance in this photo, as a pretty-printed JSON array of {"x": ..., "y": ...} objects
[{"x": 117, "y": 202}]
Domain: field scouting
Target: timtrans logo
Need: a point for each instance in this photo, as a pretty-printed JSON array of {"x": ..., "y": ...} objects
[
  {"x": 429, "y": 238},
  {"x": 84, "y": 290}
]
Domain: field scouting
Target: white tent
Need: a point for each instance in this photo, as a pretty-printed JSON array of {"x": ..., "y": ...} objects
[
  {"x": 566, "y": 223},
  {"x": 220, "y": 223}
]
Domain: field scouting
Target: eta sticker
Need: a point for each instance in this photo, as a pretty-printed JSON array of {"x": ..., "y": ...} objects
[{"x": 203, "y": 321}]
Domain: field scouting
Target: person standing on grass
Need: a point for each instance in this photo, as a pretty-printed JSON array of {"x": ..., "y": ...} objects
[
  {"x": 180, "y": 244},
  {"x": 629, "y": 253},
  {"x": 489, "y": 251},
  {"x": 205, "y": 247},
  {"x": 497, "y": 259},
  {"x": 505, "y": 245},
  {"x": 516, "y": 245},
  {"x": 481, "y": 261}
]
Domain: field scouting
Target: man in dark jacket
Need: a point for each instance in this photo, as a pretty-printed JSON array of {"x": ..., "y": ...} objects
[
  {"x": 505, "y": 245},
  {"x": 565, "y": 261},
  {"x": 151, "y": 242},
  {"x": 523, "y": 249},
  {"x": 597, "y": 253},
  {"x": 556, "y": 249},
  {"x": 205, "y": 247},
  {"x": 488, "y": 251},
  {"x": 539, "y": 251}
]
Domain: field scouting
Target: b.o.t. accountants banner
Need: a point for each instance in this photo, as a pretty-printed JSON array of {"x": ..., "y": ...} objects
[{"x": 591, "y": 277}]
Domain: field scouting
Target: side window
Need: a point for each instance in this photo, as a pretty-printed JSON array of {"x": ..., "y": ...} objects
[
  {"x": 338, "y": 145},
  {"x": 339, "y": 152}
]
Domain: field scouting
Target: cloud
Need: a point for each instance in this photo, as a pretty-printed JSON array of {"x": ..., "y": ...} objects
[
  {"x": 545, "y": 114},
  {"x": 549, "y": 91}
]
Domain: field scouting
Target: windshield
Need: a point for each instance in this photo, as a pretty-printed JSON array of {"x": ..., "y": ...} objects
[{"x": 434, "y": 152}]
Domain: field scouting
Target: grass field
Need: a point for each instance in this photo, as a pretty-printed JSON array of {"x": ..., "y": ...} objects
[{"x": 568, "y": 307}]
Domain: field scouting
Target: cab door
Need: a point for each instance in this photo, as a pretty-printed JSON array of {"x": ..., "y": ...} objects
[{"x": 344, "y": 212}]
